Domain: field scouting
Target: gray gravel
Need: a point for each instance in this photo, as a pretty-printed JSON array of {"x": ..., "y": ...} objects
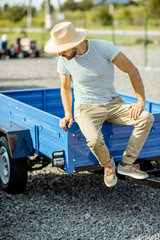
[
  {"x": 41, "y": 73},
  {"x": 56, "y": 205},
  {"x": 79, "y": 206}
]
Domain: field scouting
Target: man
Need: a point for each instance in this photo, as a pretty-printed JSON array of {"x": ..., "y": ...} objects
[{"x": 89, "y": 64}]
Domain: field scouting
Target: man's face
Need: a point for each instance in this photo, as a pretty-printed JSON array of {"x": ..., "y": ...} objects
[{"x": 69, "y": 54}]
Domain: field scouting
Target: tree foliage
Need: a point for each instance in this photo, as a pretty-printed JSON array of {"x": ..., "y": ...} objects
[
  {"x": 15, "y": 13},
  {"x": 72, "y": 5},
  {"x": 85, "y": 5},
  {"x": 152, "y": 8},
  {"x": 100, "y": 14}
]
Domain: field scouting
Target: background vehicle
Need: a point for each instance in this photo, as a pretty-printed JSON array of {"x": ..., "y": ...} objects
[
  {"x": 24, "y": 47},
  {"x": 30, "y": 134},
  {"x": 4, "y": 51}
]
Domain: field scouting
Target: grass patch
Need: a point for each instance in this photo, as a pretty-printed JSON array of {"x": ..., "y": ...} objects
[
  {"x": 41, "y": 38},
  {"x": 124, "y": 41}
]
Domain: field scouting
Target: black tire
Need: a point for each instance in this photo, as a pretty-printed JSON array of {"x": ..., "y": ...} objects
[
  {"x": 20, "y": 55},
  {"x": 13, "y": 172},
  {"x": 37, "y": 54}
]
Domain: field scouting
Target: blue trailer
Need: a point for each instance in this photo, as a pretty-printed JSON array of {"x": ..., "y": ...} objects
[{"x": 30, "y": 136}]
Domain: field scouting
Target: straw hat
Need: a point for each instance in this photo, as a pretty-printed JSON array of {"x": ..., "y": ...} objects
[{"x": 64, "y": 36}]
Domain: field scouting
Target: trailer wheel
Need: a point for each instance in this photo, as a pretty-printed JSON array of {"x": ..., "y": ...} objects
[{"x": 13, "y": 172}]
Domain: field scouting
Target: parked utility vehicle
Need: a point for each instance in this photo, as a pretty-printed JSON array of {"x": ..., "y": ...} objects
[
  {"x": 30, "y": 134},
  {"x": 24, "y": 47}
]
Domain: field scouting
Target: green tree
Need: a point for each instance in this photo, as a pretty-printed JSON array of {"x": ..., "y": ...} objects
[
  {"x": 85, "y": 5},
  {"x": 100, "y": 13},
  {"x": 6, "y": 7},
  {"x": 152, "y": 8},
  {"x": 16, "y": 13},
  {"x": 70, "y": 5},
  {"x": 3, "y": 10}
]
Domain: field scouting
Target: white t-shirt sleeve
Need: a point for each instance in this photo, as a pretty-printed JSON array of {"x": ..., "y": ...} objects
[
  {"x": 61, "y": 67},
  {"x": 110, "y": 50}
]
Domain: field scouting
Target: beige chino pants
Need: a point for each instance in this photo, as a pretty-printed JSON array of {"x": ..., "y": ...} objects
[{"x": 90, "y": 118}]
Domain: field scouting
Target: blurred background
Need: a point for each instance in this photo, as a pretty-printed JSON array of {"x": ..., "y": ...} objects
[
  {"x": 133, "y": 25},
  {"x": 124, "y": 22}
]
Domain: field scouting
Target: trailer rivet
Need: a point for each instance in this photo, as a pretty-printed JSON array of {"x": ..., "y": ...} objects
[
  {"x": 110, "y": 135},
  {"x": 10, "y": 113},
  {"x": 153, "y": 129},
  {"x": 24, "y": 119},
  {"x": 59, "y": 135},
  {"x": 74, "y": 160},
  {"x": 41, "y": 127}
]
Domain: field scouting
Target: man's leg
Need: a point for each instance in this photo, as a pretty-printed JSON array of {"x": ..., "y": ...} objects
[
  {"x": 120, "y": 114},
  {"x": 90, "y": 118}
]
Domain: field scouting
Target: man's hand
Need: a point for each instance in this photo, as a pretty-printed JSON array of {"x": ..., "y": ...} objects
[
  {"x": 65, "y": 120},
  {"x": 136, "y": 109}
]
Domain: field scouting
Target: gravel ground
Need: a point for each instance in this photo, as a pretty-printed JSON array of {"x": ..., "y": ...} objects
[
  {"x": 78, "y": 206},
  {"x": 41, "y": 73}
]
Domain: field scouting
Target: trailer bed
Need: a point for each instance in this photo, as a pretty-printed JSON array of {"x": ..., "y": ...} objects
[{"x": 40, "y": 111}]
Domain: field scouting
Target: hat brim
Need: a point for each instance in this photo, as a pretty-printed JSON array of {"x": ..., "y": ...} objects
[{"x": 51, "y": 47}]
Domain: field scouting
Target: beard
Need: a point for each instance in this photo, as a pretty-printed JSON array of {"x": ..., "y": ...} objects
[{"x": 72, "y": 55}]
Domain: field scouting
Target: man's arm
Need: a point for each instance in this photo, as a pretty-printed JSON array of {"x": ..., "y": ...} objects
[
  {"x": 124, "y": 64},
  {"x": 66, "y": 96}
]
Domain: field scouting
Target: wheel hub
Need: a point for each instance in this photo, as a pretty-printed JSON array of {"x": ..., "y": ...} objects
[{"x": 4, "y": 165}]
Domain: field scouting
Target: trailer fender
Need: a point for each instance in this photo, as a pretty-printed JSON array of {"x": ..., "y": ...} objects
[{"x": 19, "y": 139}]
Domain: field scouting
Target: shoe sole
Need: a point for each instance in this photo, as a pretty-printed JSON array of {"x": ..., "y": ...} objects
[
  {"x": 132, "y": 175},
  {"x": 113, "y": 183}
]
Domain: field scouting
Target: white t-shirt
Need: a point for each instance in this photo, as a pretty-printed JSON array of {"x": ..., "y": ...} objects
[{"x": 92, "y": 74}]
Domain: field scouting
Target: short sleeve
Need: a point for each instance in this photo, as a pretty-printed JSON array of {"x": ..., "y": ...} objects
[
  {"x": 61, "y": 68},
  {"x": 110, "y": 50}
]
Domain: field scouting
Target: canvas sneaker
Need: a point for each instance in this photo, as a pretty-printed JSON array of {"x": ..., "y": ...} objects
[
  {"x": 110, "y": 177},
  {"x": 132, "y": 170}
]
